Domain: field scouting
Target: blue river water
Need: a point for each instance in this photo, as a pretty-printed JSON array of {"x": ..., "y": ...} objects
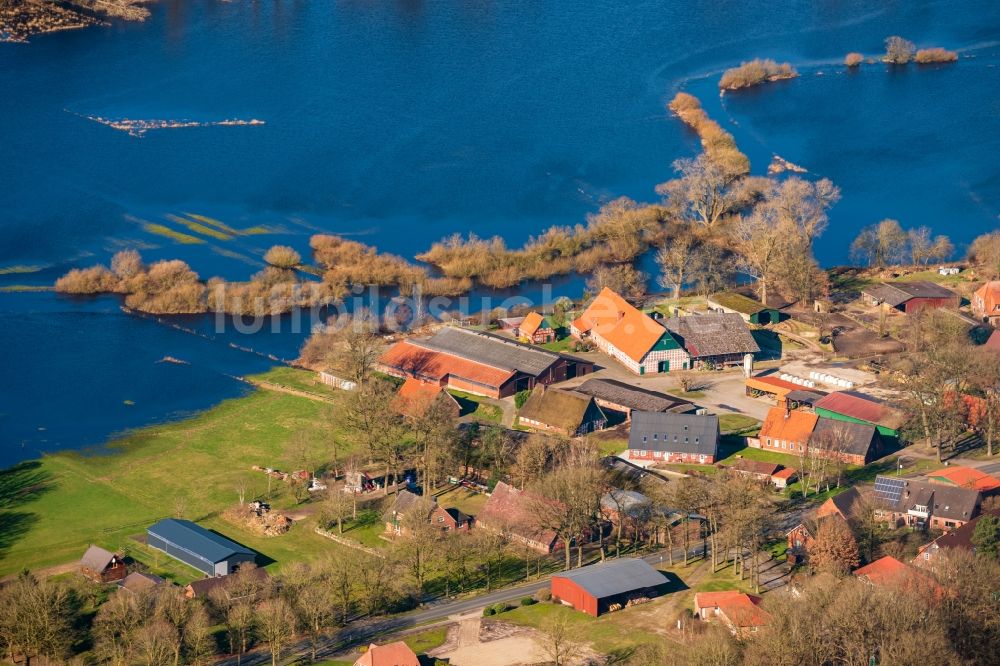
[{"x": 401, "y": 122}]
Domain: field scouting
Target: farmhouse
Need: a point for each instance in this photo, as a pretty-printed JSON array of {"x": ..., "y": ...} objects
[
  {"x": 566, "y": 412},
  {"x": 535, "y": 328},
  {"x": 607, "y": 587},
  {"x": 855, "y": 407},
  {"x": 713, "y": 340},
  {"x": 416, "y": 397},
  {"x": 750, "y": 310},
  {"x": 740, "y": 612},
  {"x": 251, "y": 582},
  {"x": 390, "y": 654},
  {"x": 208, "y": 552},
  {"x": 909, "y": 296},
  {"x": 847, "y": 506},
  {"x": 920, "y": 504},
  {"x": 479, "y": 362},
  {"x": 513, "y": 511},
  {"x": 669, "y": 437},
  {"x": 986, "y": 303},
  {"x": 102, "y": 566},
  {"x": 611, "y": 394},
  {"x": 632, "y": 338}
]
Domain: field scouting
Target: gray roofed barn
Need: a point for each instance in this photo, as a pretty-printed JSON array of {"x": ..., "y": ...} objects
[
  {"x": 619, "y": 395},
  {"x": 897, "y": 293},
  {"x": 210, "y": 553},
  {"x": 629, "y": 502},
  {"x": 712, "y": 335},
  {"x": 665, "y": 432},
  {"x": 600, "y": 588}
]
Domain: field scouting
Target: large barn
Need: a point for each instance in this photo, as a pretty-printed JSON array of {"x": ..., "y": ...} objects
[
  {"x": 479, "y": 362},
  {"x": 602, "y": 588},
  {"x": 910, "y": 296},
  {"x": 208, "y": 552}
]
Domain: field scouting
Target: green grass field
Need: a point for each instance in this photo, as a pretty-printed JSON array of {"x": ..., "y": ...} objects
[
  {"x": 607, "y": 634},
  {"x": 738, "y": 423},
  {"x": 51, "y": 509},
  {"x": 477, "y": 406},
  {"x": 300, "y": 380}
]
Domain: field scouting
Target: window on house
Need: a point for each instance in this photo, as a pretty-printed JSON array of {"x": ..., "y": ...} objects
[
  {"x": 654, "y": 436},
  {"x": 643, "y": 439},
  {"x": 440, "y": 519}
]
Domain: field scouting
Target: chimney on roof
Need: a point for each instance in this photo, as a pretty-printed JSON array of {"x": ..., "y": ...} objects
[{"x": 621, "y": 315}]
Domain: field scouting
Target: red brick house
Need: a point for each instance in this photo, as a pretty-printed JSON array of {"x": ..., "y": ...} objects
[
  {"x": 738, "y": 611},
  {"x": 986, "y": 303},
  {"x": 670, "y": 437},
  {"x": 102, "y": 566},
  {"x": 846, "y": 506},
  {"x": 451, "y": 519},
  {"x": 536, "y": 329},
  {"x": 787, "y": 431},
  {"x": 511, "y": 510},
  {"x": 959, "y": 538},
  {"x": 920, "y": 504},
  {"x": 890, "y": 573},
  {"x": 607, "y": 587}
]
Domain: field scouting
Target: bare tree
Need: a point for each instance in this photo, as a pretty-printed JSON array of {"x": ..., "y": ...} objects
[
  {"x": 557, "y": 638},
  {"x": 369, "y": 413},
  {"x": 276, "y": 624},
  {"x": 881, "y": 244},
  {"x": 37, "y": 618}
]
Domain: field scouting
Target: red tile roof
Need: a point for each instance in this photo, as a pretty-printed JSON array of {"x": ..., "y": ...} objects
[
  {"x": 860, "y": 407},
  {"x": 990, "y": 295},
  {"x": 884, "y": 571},
  {"x": 511, "y": 508},
  {"x": 434, "y": 365},
  {"x": 993, "y": 344},
  {"x": 621, "y": 324},
  {"x": 786, "y": 473},
  {"x": 790, "y": 426},
  {"x": 416, "y": 396},
  {"x": 531, "y": 324},
  {"x": 391, "y": 654},
  {"x": 966, "y": 477},
  {"x": 742, "y": 610}
]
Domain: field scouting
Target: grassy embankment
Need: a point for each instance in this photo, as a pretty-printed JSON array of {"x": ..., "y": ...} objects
[{"x": 52, "y": 508}]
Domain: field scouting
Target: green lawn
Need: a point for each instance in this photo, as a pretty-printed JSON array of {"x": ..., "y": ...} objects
[
  {"x": 477, "y": 406},
  {"x": 607, "y": 634},
  {"x": 52, "y": 508},
  {"x": 738, "y": 424},
  {"x": 366, "y": 530},
  {"x": 299, "y": 379},
  {"x": 426, "y": 640},
  {"x": 463, "y": 499},
  {"x": 732, "y": 447}
]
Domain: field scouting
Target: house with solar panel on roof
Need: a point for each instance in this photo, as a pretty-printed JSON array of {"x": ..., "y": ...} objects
[
  {"x": 920, "y": 504},
  {"x": 208, "y": 552}
]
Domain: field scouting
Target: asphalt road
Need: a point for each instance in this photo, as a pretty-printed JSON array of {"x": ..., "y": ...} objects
[{"x": 362, "y": 632}]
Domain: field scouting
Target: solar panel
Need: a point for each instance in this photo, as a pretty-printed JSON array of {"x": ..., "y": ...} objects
[{"x": 889, "y": 489}]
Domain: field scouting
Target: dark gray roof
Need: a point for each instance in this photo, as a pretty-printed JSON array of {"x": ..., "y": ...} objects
[
  {"x": 138, "y": 581},
  {"x": 406, "y": 501},
  {"x": 948, "y": 502},
  {"x": 713, "y": 334},
  {"x": 493, "y": 350},
  {"x": 897, "y": 293},
  {"x": 858, "y": 436},
  {"x": 196, "y": 539},
  {"x": 614, "y": 577},
  {"x": 805, "y": 397},
  {"x": 630, "y": 471},
  {"x": 677, "y": 433},
  {"x": 96, "y": 558},
  {"x": 632, "y": 397}
]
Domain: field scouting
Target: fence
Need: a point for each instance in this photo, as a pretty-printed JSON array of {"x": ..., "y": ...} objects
[
  {"x": 350, "y": 543},
  {"x": 337, "y": 382}
]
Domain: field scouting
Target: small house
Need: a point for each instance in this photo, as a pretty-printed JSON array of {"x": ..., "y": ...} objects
[
  {"x": 208, "y": 552},
  {"x": 566, "y": 412},
  {"x": 909, "y": 297},
  {"x": 390, "y": 654},
  {"x": 451, "y": 519},
  {"x": 959, "y": 538},
  {"x": 403, "y": 508},
  {"x": 752, "y": 312},
  {"x": 535, "y": 329},
  {"x": 739, "y": 612},
  {"x": 102, "y": 566},
  {"x": 756, "y": 469},
  {"x": 783, "y": 478},
  {"x": 607, "y": 587},
  {"x": 674, "y": 438},
  {"x": 986, "y": 303},
  {"x": 787, "y": 430},
  {"x": 254, "y": 580}
]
